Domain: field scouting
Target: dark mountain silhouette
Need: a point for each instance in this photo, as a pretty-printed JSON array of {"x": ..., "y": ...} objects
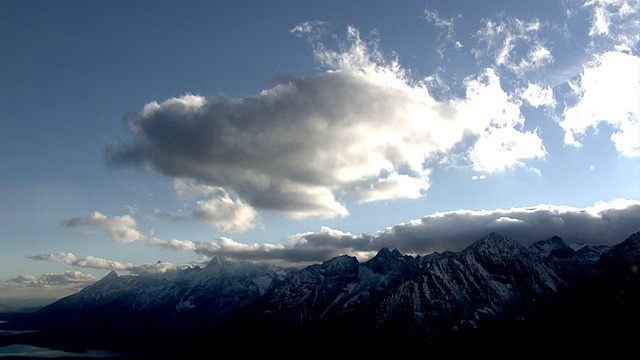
[{"x": 495, "y": 298}]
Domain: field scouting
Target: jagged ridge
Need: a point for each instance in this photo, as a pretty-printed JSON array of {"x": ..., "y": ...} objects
[{"x": 493, "y": 281}]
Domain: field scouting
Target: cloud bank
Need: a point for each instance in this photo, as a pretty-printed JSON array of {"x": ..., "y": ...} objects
[
  {"x": 66, "y": 278},
  {"x": 93, "y": 262},
  {"x": 604, "y": 223}
]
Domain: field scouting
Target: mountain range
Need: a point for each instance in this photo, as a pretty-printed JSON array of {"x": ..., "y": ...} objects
[{"x": 496, "y": 297}]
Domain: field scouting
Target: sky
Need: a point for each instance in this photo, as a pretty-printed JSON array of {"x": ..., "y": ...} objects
[{"x": 149, "y": 136}]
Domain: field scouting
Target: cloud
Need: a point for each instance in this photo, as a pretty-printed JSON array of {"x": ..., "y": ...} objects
[
  {"x": 220, "y": 209},
  {"x": 162, "y": 214},
  {"x": 513, "y": 44},
  {"x": 603, "y": 223},
  {"x": 447, "y": 25},
  {"x": 504, "y": 148},
  {"x": 157, "y": 268},
  {"x": 225, "y": 213},
  {"x": 394, "y": 186},
  {"x": 68, "y": 258},
  {"x": 302, "y": 148},
  {"x": 538, "y": 96},
  {"x": 46, "y": 286},
  {"x": 25, "y": 279},
  {"x": 227, "y": 247},
  {"x": 312, "y": 30},
  {"x": 121, "y": 228},
  {"x": 66, "y": 278},
  {"x": 616, "y": 20},
  {"x": 608, "y": 92},
  {"x": 264, "y": 252},
  {"x": 92, "y": 262},
  {"x": 500, "y": 146},
  {"x": 174, "y": 244}
]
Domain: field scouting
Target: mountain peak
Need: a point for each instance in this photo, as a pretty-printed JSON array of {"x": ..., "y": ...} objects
[
  {"x": 385, "y": 252},
  {"x": 628, "y": 250},
  {"x": 492, "y": 239},
  {"x": 341, "y": 262},
  {"x": 111, "y": 276},
  {"x": 215, "y": 261},
  {"x": 495, "y": 237},
  {"x": 387, "y": 261},
  {"x": 553, "y": 247},
  {"x": 494, "y": 244}
]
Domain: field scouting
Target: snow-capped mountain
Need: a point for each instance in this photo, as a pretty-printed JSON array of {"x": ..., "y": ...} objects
[
  {"x": 493, "y": 278},
  {"x": 495, "y": 283}
]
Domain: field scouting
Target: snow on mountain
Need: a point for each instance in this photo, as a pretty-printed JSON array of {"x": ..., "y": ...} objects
[
  {"x": 313, "y": 292},
  {"x": 554, "y": 247},
  {"x": 494, "y": 280},
  {"x": 494, "y": 277}
]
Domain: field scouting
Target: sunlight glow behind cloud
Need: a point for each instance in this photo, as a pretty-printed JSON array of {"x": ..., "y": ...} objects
[{"x": 362, "y": 129}]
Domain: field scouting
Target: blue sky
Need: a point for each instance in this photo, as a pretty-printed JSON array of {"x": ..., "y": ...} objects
[{"x": 287, "y": 131}]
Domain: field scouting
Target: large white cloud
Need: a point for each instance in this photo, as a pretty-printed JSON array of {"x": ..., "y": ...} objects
[
  {"x": 608, "y": 92},
  {"x": 504, "y": 148},
  {"x": 359, "y": 130},
  {"x": 121, "y": 228},
  {"x": 219, "y": 208}
]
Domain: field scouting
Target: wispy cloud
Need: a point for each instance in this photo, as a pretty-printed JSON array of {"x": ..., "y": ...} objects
[
  {"x": 615, "y": 20},
  {"x": 162, "y": 214},
  {"x": 447, "y": 25},
  {"x": 513, "y": 44}
]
